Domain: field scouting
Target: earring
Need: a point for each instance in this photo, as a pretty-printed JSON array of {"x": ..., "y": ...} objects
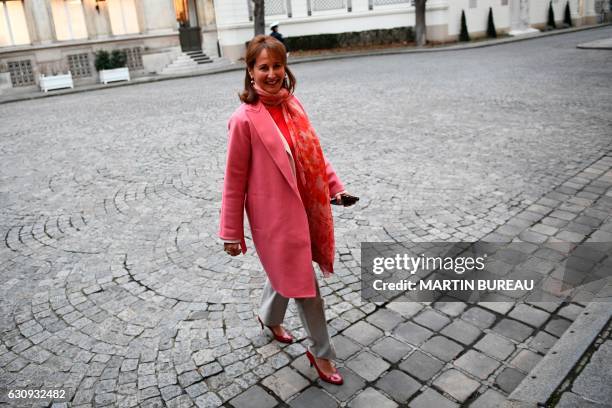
[{"x": 252, "y": 81}]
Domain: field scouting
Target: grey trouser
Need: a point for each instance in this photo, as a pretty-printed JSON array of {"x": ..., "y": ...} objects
[{"x": 312, "y": 314}]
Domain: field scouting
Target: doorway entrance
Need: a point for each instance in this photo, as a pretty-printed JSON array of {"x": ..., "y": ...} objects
[{"x": 190, "y": 33}]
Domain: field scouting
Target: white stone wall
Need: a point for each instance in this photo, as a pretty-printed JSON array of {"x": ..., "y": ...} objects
[
  {"x": 235, "y": 29},
  {"x": 580, "y": 9},
  {"x": 477, "y": 18},
  {"x": 159, "y": 16},
  {"x": 443, "y": 18},
  {"x": 538, "y": 11},
  {"x": 231, "y": 12}
]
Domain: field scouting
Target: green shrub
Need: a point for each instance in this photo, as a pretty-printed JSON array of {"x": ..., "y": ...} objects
[
  {"x": 350, "y": 39},
  {"x": 118, "y": 59},
  {"x": 491, "y": 32},
  {"x": 567, "y": 20},
  {"x": 464, "y": 35},
  {"x": 104, "y": 60},
  {"x": 551, "y": 17}
]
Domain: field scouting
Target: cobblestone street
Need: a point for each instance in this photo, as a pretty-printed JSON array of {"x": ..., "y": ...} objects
[{"x": 115, "y": 288}]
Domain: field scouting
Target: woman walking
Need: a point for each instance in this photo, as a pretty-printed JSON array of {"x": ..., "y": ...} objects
[{"x": 276, "y": 170}]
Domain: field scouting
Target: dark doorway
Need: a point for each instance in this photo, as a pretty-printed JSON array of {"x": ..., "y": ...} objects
[{"x": 190, "y": 34}]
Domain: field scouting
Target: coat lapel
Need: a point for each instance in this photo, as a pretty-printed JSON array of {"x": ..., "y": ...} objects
[{"x": 269, "y": 134}]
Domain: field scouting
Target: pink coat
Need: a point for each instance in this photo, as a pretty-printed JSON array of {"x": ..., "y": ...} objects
[{"x": 259, "y": 178}]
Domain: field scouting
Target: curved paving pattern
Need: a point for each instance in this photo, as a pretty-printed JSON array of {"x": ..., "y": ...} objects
[{"x": 113, "y": 283}]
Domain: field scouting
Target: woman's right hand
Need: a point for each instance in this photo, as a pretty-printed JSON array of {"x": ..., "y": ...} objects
[{"x": 232, "y": 249}]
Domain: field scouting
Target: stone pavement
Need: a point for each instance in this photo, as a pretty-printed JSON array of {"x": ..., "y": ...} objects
[{"x": 115, "y": 288}]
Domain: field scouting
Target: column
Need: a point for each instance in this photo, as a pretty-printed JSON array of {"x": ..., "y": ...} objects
[
  {"x": 40, "y": 22},
  {"x": 140, "y": 13},
  {"x": 519, "y": 17},
  {"x": 97, "y": 20},
  {"x": 159, "y": 17},
  {"x": 206, "y": 13}
]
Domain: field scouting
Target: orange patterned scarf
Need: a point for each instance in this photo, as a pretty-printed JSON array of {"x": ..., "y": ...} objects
[{"x": 312, "y": 176}]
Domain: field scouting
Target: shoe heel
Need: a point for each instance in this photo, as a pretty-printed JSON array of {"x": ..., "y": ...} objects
[
  {"x": 261, "y": 323},
  {"x": 309, "y": 357},
  {"x": 286, "y": 338},
  {"x": 335, "y": 378}
]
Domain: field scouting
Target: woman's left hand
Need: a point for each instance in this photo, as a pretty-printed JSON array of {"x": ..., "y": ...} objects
[
  {"x": 231, "y": 248},
  {"x": 338, "y": 198}
]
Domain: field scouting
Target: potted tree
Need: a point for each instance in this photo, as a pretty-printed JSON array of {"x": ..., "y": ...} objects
[
  {"x": 112, "y": 67},
  {"x": 567, "y": 19},
  {"x": 550, "y": 24},
  {"x": 464, "y": 35},
  {"x": 491, "y": 31}
]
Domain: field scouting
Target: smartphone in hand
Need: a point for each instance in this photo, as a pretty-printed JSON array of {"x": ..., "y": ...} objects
[{"x": 346, "y": 200}]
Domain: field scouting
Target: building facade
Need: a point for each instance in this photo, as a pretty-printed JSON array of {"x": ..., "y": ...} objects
[
  {"x": 309, "y": 17},
  {"x": 47, "y": 37}
]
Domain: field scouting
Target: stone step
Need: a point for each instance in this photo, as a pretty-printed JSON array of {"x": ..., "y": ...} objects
[
  {"x": 202, "y": 60},
  {"x": 182, "y": 58},
  {"x": 195, "y": 68},
  {"x": 183, "y": 63},
  {"x": 185, "y": 70},
  {"x": 193, "y": 62},
  {"x": 199, "y": 57}
]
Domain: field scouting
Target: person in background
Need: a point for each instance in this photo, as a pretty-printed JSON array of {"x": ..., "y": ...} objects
[{"x": 274, "y": 33}]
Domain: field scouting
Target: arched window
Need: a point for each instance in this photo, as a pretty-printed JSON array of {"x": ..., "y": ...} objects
[
  {"x": 123, "y": 17},
  {"x": 13, "y": 27},
  {"x": 69, "y": 19}
]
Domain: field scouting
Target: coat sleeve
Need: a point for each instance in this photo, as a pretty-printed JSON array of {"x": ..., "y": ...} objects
[
  {"x": 231, "y": 226},
  {"x": 335, "y": 185}
]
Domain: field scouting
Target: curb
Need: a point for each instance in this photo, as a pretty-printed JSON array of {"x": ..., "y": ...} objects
[
  {"x": 597, "y": 45},
  {"x": 593, "y": 48},
  {"x": 240, "y": 66},
  {"x": 539, "y": 385}
]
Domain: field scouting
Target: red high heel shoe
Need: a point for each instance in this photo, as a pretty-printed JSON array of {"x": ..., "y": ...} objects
[
  {"x": 283, "y": 338},
  {"x": 334, "y": 378}
]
